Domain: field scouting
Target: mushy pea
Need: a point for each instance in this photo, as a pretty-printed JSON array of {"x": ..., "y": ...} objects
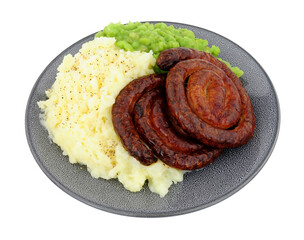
[{"x": 158, "y": 37}]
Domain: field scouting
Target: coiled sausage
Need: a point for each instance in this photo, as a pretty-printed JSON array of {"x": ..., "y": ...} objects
[
  {"x": 187, "y": 117},
  {"x": 227, "y": 122}
]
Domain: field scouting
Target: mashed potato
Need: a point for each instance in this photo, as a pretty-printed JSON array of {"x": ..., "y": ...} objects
[{"x": 77, "y": 114}]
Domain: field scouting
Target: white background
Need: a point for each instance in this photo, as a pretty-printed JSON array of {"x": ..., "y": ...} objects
[{"x": 34, "y": 32}]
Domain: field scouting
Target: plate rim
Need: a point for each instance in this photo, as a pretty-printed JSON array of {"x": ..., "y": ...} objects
[{"x": 141, "y": 213}]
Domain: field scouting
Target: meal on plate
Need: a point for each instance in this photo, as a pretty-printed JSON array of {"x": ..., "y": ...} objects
[{"x": 146, "y": 103}]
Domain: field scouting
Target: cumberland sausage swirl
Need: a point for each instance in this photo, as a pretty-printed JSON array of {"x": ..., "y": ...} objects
[
  {"x": 187, "y": 116},
  {"x": 225, "y": 117}
]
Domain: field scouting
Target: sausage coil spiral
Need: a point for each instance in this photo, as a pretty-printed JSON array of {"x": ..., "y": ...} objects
[
  {"x": 214, "y": 108},
  {"x": 187, "y": 117}
]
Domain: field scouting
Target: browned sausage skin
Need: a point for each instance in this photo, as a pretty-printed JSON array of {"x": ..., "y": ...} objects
[
  {"x": 159, "y": 134},
  {"x": 187, "y": 117},
  {"x": 168, "y": 58},
  {"x": 178, "y": 103},
  {"x": 122, "y": 116}
]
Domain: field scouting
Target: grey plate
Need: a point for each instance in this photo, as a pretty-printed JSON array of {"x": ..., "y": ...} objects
[{"x": 200, "y": 189}]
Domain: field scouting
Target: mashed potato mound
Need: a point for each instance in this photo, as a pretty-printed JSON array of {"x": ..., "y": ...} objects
[{"x": 77, "y": 114}]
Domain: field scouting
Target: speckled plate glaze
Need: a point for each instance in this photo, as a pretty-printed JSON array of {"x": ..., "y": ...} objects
[{"x": 200, "y": 189}]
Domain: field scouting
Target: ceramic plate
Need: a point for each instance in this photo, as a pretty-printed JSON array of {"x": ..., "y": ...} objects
[{"x": 200, "y": 189}]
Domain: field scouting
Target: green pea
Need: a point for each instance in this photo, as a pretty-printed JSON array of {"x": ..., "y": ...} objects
[{"x": 158, "y": 37}]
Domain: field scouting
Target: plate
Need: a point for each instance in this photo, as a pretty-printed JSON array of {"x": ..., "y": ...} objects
[{"x": 200, "y": 189}]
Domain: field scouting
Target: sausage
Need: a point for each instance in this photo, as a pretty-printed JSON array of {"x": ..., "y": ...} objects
[
  {"x": 122, "y": 116},
  {"x": 186, "y": 118},
  {"x": 197, "y": 127},
  {"x": 168, "y": 58},
  {"x": 216, "y": 130},
  {"x": 154, "y": 127}
]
